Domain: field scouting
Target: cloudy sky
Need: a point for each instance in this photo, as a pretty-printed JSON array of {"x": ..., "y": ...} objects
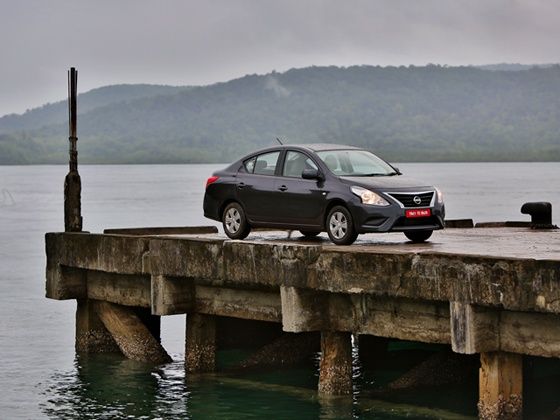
[{"x": 182, "y": 42}]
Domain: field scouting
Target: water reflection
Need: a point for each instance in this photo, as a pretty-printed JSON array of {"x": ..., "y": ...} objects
[{"x": 109, "y": 386}]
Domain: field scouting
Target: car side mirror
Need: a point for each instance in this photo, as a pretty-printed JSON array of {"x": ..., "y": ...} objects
[{"x": 312, "y": 174}]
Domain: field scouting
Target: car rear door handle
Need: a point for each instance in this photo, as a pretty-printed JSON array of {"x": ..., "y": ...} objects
[
  {"x": 283, "y": 188},
  {"x": 240, "y": 185}
]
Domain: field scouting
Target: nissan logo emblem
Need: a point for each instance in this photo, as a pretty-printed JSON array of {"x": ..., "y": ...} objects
[{"x": 417, "y": 200}]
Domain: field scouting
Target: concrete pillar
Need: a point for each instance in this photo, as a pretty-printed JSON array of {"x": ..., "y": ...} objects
[
  {"x": 335, "y": 375},
  {"x": 500, "y": 386},
  {"x": 129, "y": 332},
  {"x": 91, "y": 334},
  {"x": 200, "y": 345}
]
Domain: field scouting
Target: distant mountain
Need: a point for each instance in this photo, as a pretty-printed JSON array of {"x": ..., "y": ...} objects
[
  {"x": 57, "y": 112},
  {"x": 430, "y": 113},
  {"x": 513, "y": 66}
]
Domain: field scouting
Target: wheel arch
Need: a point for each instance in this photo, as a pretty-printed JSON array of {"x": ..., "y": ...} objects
[{"x": 334, "y": 202}]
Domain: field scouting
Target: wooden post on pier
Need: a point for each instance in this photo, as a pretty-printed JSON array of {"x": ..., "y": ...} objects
[{"x": 72, "y": 182}]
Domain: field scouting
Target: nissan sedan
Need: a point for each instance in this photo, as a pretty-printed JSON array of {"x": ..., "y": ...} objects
[{"x": 313, "y": 188}]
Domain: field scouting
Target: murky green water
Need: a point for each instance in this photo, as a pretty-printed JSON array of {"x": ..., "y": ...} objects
[
  {"x": 107, "y": 386},
  {"x": 40, "y": 375}
]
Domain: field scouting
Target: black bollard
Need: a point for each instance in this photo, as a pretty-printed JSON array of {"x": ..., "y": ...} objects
[{"x": 541, "y": 214}]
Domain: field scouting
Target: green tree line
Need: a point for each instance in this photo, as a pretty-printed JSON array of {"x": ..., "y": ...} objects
[{"x": 429, "y": 113}]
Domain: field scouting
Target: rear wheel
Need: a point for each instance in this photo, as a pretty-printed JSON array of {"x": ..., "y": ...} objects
[
  {"x": 309, "y": 233},
  {"x": 234, "y": 222},
  {"x": 418, "y": 236},
  {"x": 340, "y": 226}
]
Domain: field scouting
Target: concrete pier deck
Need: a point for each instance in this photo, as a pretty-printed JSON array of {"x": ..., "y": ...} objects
[{"x": 493, "y": 291}]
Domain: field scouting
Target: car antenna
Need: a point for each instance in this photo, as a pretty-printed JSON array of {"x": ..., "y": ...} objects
[{"x": 278, "y": 140}]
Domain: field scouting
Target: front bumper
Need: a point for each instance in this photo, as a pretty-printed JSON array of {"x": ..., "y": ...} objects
[{"x": 392, "y": 218}]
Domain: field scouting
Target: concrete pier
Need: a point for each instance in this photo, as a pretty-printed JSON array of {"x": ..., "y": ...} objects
[{"x": 488, "y": 291}]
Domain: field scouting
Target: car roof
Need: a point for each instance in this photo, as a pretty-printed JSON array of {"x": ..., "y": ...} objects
[
  {"x": 314, "y": 147},
  {"x": 318, "y": 147}
]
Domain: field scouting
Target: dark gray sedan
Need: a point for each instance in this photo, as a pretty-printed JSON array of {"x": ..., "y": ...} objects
[{"x": 313, "y": 188}]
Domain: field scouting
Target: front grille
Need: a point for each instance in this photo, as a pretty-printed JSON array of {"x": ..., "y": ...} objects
[{"x": 407, "y": 199}]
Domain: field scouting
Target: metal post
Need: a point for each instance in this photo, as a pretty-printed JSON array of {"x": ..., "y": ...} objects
[{"x": 72, "y": 182}]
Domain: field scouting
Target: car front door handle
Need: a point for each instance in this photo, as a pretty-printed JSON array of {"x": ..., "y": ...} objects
[
  {"x": 283, "y": 188},
  {"x": 240, "y": 185}
]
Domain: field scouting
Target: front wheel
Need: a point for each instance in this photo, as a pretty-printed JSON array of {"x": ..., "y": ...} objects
[
  {"x": 234, "y": 221},
  {"x": 418, "y": 236},
  {"x": 340, "y": 226}
]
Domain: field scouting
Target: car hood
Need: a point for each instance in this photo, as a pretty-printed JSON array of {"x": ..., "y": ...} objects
[{"x": 387, "y": 183}]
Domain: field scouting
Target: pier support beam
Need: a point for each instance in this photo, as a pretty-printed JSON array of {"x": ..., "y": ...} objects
[
  {"x": 129, "y": 332},
  {"x": 335, "y": 373},
  {"x": 200, "y": 345},
  {"x": 91, "y": 334},
  {"x": 501, "y": 386}
]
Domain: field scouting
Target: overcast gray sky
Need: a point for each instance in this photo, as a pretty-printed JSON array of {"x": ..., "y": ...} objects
[{"x": 183, "y": 42}]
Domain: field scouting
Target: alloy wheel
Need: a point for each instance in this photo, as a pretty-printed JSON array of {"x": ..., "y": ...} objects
[
  {"x": 233, "y": 220},
  {"x": 338, "y": 225}
]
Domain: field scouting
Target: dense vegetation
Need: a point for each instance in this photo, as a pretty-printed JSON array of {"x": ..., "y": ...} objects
[{"x": 430, "y": 113}]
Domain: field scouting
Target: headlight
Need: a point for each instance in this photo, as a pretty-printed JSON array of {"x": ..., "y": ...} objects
[
  {"x": 439, "y": 195},
  {"x": 369, "y": 197}
]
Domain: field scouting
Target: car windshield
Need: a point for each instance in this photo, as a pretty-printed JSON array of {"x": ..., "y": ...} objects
[{"x": 355, "y": 163}]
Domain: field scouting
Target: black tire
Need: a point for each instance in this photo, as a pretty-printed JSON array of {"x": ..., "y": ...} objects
[
  {"x": 234, "y": 221},
  {"x": 340, "y": 226},
  {"x": 309, "y": 233},
  {"x": 418, "y": 236}
]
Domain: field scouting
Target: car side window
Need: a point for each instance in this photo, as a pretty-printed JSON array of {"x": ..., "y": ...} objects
[
  {"x": 295, "y": 163},
  {"x": 265, "y": 164},
  {"x": 249, "y": 165}
]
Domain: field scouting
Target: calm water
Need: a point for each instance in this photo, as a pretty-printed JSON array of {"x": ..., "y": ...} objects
[{"x": 40, "y": 374}]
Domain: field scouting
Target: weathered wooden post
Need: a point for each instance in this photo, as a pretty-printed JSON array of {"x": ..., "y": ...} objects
[{"x": 72, "y": 182}]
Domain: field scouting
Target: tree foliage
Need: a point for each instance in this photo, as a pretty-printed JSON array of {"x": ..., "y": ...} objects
[{"x": 430, "y": 113}]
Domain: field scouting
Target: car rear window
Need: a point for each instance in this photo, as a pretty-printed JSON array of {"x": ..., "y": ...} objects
[
  {"x": 264, "y": 164},
  {"x": 249, "y": 165}
]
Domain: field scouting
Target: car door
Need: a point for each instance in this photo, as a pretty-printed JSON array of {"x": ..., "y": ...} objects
[
  {"x": 301, "y": 201},
  {"x": 256, "y": 186}
]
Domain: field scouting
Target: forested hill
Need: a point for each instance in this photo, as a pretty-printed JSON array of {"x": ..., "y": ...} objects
[
  {"x": 430, "y": 113},
  {"x": 58, "y": 112}
]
